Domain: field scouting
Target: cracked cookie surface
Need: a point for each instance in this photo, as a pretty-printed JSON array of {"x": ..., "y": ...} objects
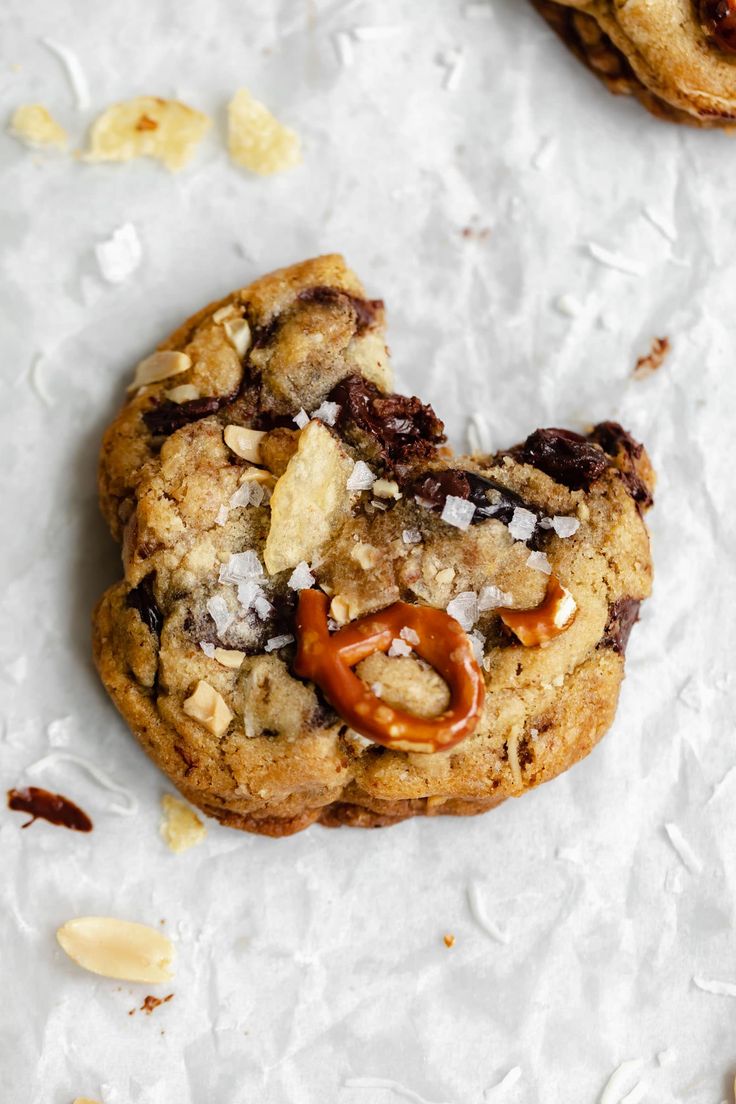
[
  {"x": 329, "y": 479},
  {"x": 678, "y": 57}
]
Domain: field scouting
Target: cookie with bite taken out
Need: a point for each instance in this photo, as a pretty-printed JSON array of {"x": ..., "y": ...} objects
[{"x": 324, "y": 616}]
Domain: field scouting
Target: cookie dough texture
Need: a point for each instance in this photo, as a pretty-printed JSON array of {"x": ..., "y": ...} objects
[
  {"x": 656, "y": 50},
  {"x": 172, "y": 493}
]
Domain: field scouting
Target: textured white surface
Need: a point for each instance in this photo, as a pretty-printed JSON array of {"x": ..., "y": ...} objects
[{"x": 307, "y": 963}]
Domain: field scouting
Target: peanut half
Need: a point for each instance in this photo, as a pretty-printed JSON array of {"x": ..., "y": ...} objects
[{"x": 117, "y": 948}]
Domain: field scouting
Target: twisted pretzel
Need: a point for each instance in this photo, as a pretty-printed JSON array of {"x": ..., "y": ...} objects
[{"x": 327, "y": 660}]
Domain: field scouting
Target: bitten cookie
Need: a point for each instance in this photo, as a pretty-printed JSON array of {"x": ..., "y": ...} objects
[
  {"x": 678, "y": 57},
  {"x": 324, "y": 615}
]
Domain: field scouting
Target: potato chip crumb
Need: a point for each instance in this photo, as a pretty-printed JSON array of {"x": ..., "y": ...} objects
[
  {"x": 148, "y": 126},
  {"x": 257, "y": 140},
  {"x": 35, "y": 125},
  {"x": 181, "y": 828},
  {"x": 448, "y": 940}
]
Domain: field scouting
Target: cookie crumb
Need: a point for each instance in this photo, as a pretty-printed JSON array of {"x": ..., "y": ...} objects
[
  {"x": 647, "y": 365},
  {"x": 34, "y": 125},
  {"x": 181, "y": 828},
  {"x": 171, "y": 134},
  {"x": 257, "y": 140}
]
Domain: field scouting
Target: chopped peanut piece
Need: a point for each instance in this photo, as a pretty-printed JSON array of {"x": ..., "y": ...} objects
[
  {"x": 238, "y": 334},
  {"x": 229, "y": 657},
  {"x": 181, "y": 828},
  {"x": 340, "y": 610},
  {"x": 159, "y": 366},
  {"x": 185, "y": 392},
  {"x": 257, "y": 140},
  {"x": 148, "y": 127},
  {"x": 117, "y": 948},
  {"x": 547, "y": 620},
  {"x": 245, "y": 443},
  {"x": 209, "y": 708},
  {"x": 386, "y": 488},
  {"x": 35, "y": 125},
  {"x": 366, "y": 555}
]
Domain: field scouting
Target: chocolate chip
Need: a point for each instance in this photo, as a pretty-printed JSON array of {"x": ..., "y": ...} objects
[
  {"x": 402, "y": 428},
  {"x": 565, "y": 456},
  {"x": 167, "y": 417},
  {"x": 625, "y": 451},
  {"x": 365, "y": 309},
  {"x": 718, "y": 18},
  {"x": 142, "y": 598},
  {"x": 490, "y": 499},
  {"x": 622, "y": 616}
]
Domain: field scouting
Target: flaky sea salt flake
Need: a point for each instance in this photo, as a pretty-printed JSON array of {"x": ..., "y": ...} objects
[
  {"x": 411, "y": 536},
  {"x": 241, "y": 567},
  {"x": 523, "y": 523},
  {"x": 361, "y": 477},
  {"x": 276, "y": 642},
  {"x": 478, "y": 644},
  {"x": 208, "y": 649},
  {"x": 457, "y": 512},
  {"x": 539, "y": 562},
  {"x": 262, "y": 606},
  {"x": 222, "y": 515},
  {"x": 464, "y": 608},
  {"x": 492, "y": 597},
  {"x": 301, "y": 419},
  {"x": 399, "y": 647},
  {"x": 301, "y": 577},
  {"x": 409, "y": 635},
  {"x": 327, "y": 412},
  {"x": 564, "y": 526},
  {"x": 218, "y": 610}
]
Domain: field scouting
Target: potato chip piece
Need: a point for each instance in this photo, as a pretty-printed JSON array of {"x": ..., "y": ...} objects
[
  {"x": 310, "y": 501},
  {"x": 117, "y": 948},
  {"x": 181, "y": 828},
  {"x": 35, "y": 125},
  {"x": 147, "y": 126},
  {"x": 257, "y": 140}
]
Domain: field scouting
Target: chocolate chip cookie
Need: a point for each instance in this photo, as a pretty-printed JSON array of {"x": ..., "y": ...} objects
[
  {"x": 678, "y": 57},
  {"x": 325, "y": 615}
]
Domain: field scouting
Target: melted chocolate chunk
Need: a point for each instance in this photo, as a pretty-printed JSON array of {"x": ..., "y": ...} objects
[
  {"x": 566, "y": 457},
  {"x": 490, "y": 499},
  {"x": 621, "y": 446},
  {"x": 718, "y": 18},
  {"x": 44, "y": 805},
  {"x": 167, "y": 417},
  {"x": 403, "y": 428},
  {"x": 142, "y": 598},
  {"x": 622, "y": 616},
  {"x": 365, "y": 309}
]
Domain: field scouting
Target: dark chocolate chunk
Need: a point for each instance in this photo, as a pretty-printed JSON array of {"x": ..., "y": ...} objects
[
  {"x": 53, "y": 807},
  {"x": 164, "y": 419},
  {"x": 365, "y": 309},
  {"x": 402, "y": 427},
  {"x": 143, "y": 599},
  {"x": 490, "y": 499},
  {"x": 566, "y": 457},
  {"x": 622, "y": 616},
  {"x": 621, "y": 446},
  {"x": 718, "y": 18}
]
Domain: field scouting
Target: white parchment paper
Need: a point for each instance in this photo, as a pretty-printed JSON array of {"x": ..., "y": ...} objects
[{"x": 307, "y": 967}]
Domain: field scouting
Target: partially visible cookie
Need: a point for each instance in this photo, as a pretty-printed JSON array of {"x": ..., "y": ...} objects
[
  {"x": 324, "y": 616},
  {"x": 678, "y": 57}
]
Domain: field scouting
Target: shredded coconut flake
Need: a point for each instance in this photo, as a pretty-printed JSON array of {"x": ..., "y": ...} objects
[
  {"x": 458, "y": 512},
  {"x": 327, "y": 412},
  {"x": 301, "y": 418},
  {"x": 344, "y": 49},
  {"x": 464, "y": 608},
  {"x": 221, "y": 516},
  {"x": 301, "y": 577},
  {"x": 411, "y": 536},
  {"x": 120, "y": 255},
  {"x": 361, "y": 477},
  {"x": 277, "y": 642},
  {"x": 72, "y": 67},
  {"x": 713, "y": 985},
  {"x": 220, "y": 614},
  {"x": 523, "y": 523},
  {"x": 241, "y": 567},
  {"x": 399, "y": 647},
  {"x": 616, "y": 1084},
  {"x": 544, "y": 153},
  {"x": 376, "y": 33},
  {"x": 539, "y": 561},
  {"x": 616, "y": 260},
  {"x": 131, "y": 803},
  {"x": 478, "y": 913},
  {"x": 511, "y": 1078},
  {"x": 569, "y": 305},
  {"x": 683, "y": 848},
  {"x": 492, "y": 597},
  {"x": 208, "y": 649}
]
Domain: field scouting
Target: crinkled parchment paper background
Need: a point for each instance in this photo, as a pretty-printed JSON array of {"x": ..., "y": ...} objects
[{"x": 307, "y": 963}]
